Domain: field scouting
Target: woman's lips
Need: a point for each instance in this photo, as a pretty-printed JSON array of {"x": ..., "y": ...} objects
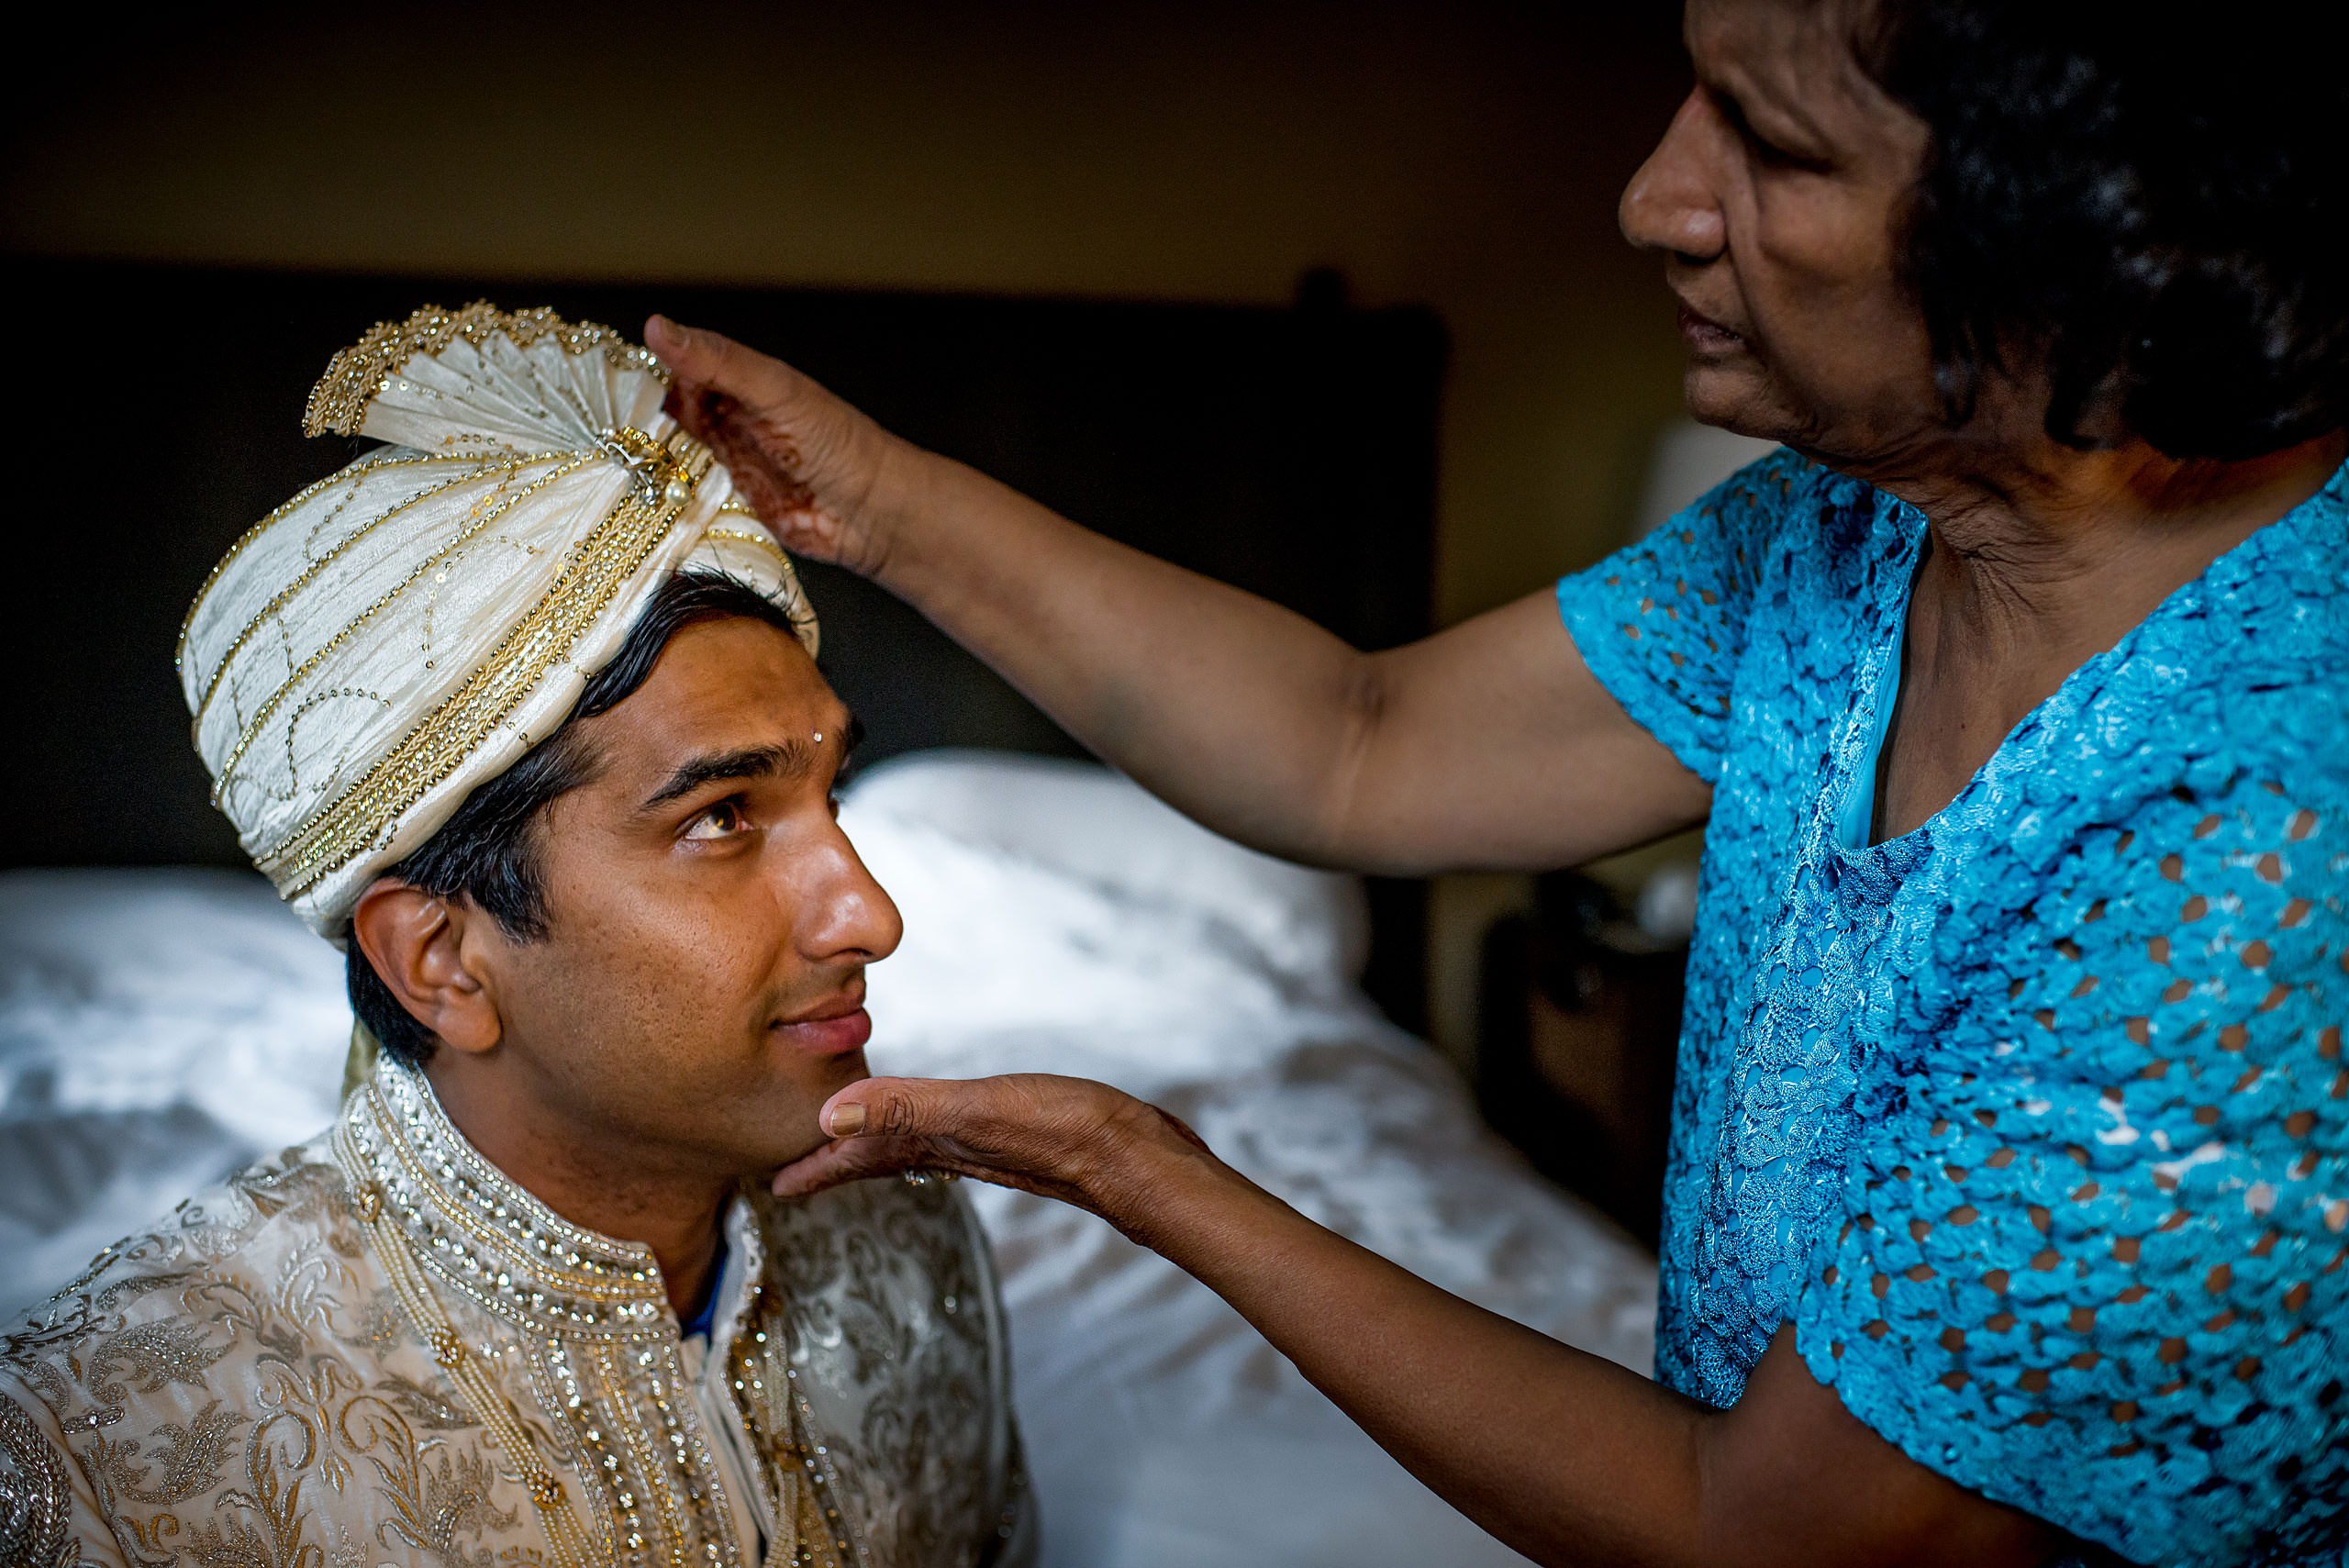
[
  {"x": 1705, "y": 336},
  {"x": 834, "y": 1036}
]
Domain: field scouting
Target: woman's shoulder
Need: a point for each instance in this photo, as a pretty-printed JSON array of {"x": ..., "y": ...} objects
[
  {"x": 2276, "y": 608},
  {"x": 1777, "y": 483},
  {"x": 2237, "y": 674},
  {"x": 1781, "y": 497},
  {"x": 2231, "y": 690},
  {"x": 1780, "y": 533},
  {"x": 1766, "y": 584}
]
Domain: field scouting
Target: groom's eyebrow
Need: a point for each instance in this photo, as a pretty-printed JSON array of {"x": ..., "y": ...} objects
[{"x": 744, "y": 762}]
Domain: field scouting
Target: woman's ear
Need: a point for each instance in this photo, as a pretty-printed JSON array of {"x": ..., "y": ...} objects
[{"x": 415, "y": 942}]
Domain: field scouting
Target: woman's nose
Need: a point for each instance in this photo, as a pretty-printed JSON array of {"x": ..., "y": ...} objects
[{"x": 1671, "y": 204}]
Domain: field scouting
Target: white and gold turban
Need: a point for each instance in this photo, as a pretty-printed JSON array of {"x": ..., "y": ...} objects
[{"x": 400, "y": 633}]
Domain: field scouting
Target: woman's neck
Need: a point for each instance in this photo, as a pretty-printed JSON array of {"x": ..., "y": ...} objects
[
  {"x": 2035, "y": 566},
  {"x": 2059, "y": 548}
]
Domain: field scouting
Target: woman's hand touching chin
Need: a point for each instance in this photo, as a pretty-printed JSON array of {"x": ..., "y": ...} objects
[{"x": 1082, "y": 1142}]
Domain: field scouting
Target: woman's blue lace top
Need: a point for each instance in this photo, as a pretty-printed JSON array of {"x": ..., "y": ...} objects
[{"x": 2034, "y": 1121}]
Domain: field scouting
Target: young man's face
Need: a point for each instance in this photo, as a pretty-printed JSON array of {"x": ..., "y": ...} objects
[{"x": 699, "y": 992}]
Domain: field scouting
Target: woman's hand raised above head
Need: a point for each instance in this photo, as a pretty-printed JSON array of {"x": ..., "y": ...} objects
[
  {"x": 816, "y": 471},
  {"x": 1082, "y": 1142},
  {"x": 1490, "y": 745}
]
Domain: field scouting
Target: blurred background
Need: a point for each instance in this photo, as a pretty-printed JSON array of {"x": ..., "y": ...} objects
[{"x": 1450, "y": 167}]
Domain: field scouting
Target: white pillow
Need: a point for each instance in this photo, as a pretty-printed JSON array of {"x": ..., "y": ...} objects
[
  {"x": 1084, "y": 821},
  {"x": 159, "y": 1029},
  {"x": 138, "y": 990}
]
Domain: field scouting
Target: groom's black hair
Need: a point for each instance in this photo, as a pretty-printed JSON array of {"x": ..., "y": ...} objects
[{"x": 487, "y": 852}]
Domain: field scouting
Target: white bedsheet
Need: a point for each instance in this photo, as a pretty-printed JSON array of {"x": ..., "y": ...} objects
[{"x": 159, "y": 1027}]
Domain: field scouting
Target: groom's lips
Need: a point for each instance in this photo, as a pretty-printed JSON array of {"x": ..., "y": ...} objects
[{"x": 833, "y": 1028}]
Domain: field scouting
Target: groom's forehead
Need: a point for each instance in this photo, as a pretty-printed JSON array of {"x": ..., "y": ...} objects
[{"x": 732, "y": 697}]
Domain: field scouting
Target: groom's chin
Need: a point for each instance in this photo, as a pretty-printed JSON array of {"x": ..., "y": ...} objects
[{"x": 793, "y": 1132}]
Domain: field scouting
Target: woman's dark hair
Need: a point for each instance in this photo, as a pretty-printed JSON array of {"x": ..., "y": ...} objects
[
  {"x": 487, "y": 852},
  {"x": 2151, "y": 205}
]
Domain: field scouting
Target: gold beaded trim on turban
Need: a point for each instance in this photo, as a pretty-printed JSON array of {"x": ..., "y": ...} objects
[
  {"x": 357, "y": 374},
  {"x": 602, "y": 563}
]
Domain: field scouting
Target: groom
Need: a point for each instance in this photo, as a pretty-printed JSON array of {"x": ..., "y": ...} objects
[{"x": 521, "y": 710}]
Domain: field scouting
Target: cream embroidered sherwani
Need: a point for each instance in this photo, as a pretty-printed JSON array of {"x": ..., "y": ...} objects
[
  {"x": 375, "y": 1349},
  {"x": 243, "y": 1386}
]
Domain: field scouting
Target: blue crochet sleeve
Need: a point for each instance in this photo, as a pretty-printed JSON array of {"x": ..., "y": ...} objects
[
  {"x": 2092, "y": 1261},
  {"x": 1661, "y": 622}
]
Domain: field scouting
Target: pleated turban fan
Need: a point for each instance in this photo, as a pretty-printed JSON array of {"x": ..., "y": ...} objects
[{"x": 399, "y": 634}]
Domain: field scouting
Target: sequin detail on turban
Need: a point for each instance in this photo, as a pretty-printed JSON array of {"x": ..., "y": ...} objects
[{"x": 402, "y": 632}]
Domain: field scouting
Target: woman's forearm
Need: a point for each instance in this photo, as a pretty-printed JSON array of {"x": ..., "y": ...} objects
[
  {"x": 1239, "y": 712},
  {"x": 1490, "y": 745},
  {"x": 1564, "y": 1455},
  {"x": 1567, "y": 1457}
]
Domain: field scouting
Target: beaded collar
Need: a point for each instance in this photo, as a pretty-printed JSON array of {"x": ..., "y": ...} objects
[{"x": 479, "y": 1233}]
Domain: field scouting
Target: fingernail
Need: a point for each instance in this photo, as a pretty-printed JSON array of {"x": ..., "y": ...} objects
[
  {"x": 846, "y": 1120},
  {"x": 663, "y": 333}
]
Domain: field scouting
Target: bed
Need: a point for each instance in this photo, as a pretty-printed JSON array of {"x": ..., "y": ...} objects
[
  {"x": 159, "y": 1026},
  {"x": 164, "y": 1019}
]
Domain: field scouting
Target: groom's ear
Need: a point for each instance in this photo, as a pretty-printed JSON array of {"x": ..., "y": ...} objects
[{"x": 431, "y": 954}]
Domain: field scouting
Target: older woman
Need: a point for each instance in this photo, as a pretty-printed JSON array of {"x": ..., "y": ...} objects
[{"x": 2009, "y": 1192}]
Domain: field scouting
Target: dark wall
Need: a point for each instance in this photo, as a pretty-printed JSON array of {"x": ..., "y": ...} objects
[{"x": 1291, "y": 451}]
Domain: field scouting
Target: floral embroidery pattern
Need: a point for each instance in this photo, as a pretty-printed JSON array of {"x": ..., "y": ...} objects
[{"x": 239, "y": 1389}]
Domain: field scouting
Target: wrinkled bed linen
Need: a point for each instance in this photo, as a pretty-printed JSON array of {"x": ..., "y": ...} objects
[{"x": 159, "y": 1027}]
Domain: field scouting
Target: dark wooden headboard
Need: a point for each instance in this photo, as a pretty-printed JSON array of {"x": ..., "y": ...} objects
[{"x": 153, "y": 414}]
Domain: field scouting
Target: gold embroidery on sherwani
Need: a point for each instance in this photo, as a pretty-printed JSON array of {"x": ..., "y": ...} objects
[
  {"x": 240, "y": 1387},
  {"x": 35, "y": 1509}
]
